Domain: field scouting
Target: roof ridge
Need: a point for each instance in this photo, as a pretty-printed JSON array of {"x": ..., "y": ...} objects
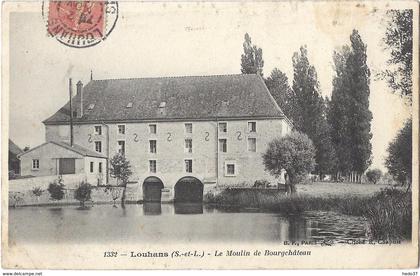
[{"x": 177, "y": 77}]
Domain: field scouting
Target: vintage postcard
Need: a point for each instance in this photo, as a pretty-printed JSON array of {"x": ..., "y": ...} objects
[{"x": 210, "y": 135}]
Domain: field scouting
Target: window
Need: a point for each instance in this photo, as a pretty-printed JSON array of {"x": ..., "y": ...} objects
[
  {"x": 223, "y": 127},
  {"x": 152, "y": 146},
  {"x": 252, "y": 126},
  {"x": 222, "y": 145},
  {"x": 121, "y": 129},
  {"x": 188, "y": 166},
  {"x": 121, "y": 147},
  {"x": 188, "y": 128},
  {"x": 98, "y": 146},
  {"x": 98, "y": 130},
  {"x": 152, "y": 129},
  {"x": 152, "y": 166},
  {"x": 35, "y": 164},
  {"x": 230, "y": 169},
  {"x": 252, "y": 144},
  {"x": 100, "y": 167},
  {"x": 188, "y": 145},
  {"x": 91, "y": 167}
]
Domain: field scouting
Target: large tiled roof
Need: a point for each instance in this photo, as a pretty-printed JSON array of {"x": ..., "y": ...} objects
[
  {"x": 75, "y": 148},
  {"x": 173, "y": 98}
]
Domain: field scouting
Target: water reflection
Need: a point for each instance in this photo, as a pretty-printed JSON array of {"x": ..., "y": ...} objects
[
  {"x": 152, "y": 208},
  {"x": 188, "y": 208},
  {"x": 187, "y": 222},
  {"x": 56, "y": 212},
  {"x": 297, "y": 228}
]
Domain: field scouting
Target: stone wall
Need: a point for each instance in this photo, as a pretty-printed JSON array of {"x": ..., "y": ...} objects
[
  {"x": 99, "y": 195},
  {"x": 26, "y": 184}
]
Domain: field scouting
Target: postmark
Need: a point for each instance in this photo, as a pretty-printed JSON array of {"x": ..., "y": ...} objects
[{"x": 80, "y": 24}]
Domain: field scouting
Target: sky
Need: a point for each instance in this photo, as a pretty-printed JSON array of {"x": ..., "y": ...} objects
[{"x": 196, "y": 38}]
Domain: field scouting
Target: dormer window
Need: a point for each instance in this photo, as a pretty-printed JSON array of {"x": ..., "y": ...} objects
[
  {"x": 162, "y": 108},
  {"x": 162, "y": 105},
  {"x": 91, "y": 106},
  {"x": 130, "y": 105}
]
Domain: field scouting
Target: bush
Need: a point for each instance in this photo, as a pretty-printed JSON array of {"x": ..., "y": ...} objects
[
  {"x": 389, "y": 214},
  {"x": 15, "y": 199},
  {"x": 56, "y": 190},
  {"x": 37, "y": 191},
  {"x": 374, "y": 175},
  {"x": 261, "y": 184},
  {"x": 83, "y": 193}
]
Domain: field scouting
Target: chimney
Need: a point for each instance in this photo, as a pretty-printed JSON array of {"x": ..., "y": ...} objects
[
  {"x": 71, "y": 112},
  {"x": 80, "y": 95}
]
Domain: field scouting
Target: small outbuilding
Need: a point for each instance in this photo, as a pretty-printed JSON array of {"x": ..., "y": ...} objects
[
  {"x": 60, "y": 158},
  {"x": 14, "y": 163}
]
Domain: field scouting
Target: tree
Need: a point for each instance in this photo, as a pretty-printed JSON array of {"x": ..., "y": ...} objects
[
  {"x": 294, "y": 153},
  {"x": 83, "y": 193},
  {"x": 310, "y": 111},
  {"x": 399, "y": 41},
  {"x": 284, "y": 96},
  {"x": 56, "y": 190},
  {"x": 374, "y": 175},
  {"x": 121, "y": 170},
  {"x": 251, "y": 60},
  {"x": 399, "y": 159},
  {"x": 338, "y": 115},
  {"x": 115, "y": 193},
  {"x": 350, "y": 117}
]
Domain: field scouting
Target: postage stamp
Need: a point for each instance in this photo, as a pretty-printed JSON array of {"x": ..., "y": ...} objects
[{"x": 80, "y": 24}]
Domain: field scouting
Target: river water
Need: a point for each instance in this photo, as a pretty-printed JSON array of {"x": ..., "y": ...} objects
[{"x": 163, "y": 223}]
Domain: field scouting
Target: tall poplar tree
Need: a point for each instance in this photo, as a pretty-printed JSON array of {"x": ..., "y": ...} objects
[
  {"x": 350, "y": 117},
  {"x": 310, "y": 110},
  {"x": 278, "y": 85},
  {"x": 251, "y": 60}
]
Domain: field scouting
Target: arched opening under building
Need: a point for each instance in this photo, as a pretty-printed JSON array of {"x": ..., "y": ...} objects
[
  {"x": 152, "y": 189},
  {"x": 188, "y": 189}
]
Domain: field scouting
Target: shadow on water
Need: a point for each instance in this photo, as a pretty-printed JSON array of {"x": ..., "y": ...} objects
[
  {"x": 297, "y": 228},
  {"x": 56, "y": 211},
  {"x": 186, "y": 208},
  {"x": 152, "y": 208},
  {"x": 84, "y": 208}
]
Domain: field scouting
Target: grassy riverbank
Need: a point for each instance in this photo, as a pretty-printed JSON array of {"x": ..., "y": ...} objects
[{"x": 388, "y": 211}]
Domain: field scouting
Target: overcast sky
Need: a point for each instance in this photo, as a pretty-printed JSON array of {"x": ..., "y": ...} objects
[{"x": 158, "y": 39}]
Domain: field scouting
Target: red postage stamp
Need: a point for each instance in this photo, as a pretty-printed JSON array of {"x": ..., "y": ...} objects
[{"x": 81, "y": 24}]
